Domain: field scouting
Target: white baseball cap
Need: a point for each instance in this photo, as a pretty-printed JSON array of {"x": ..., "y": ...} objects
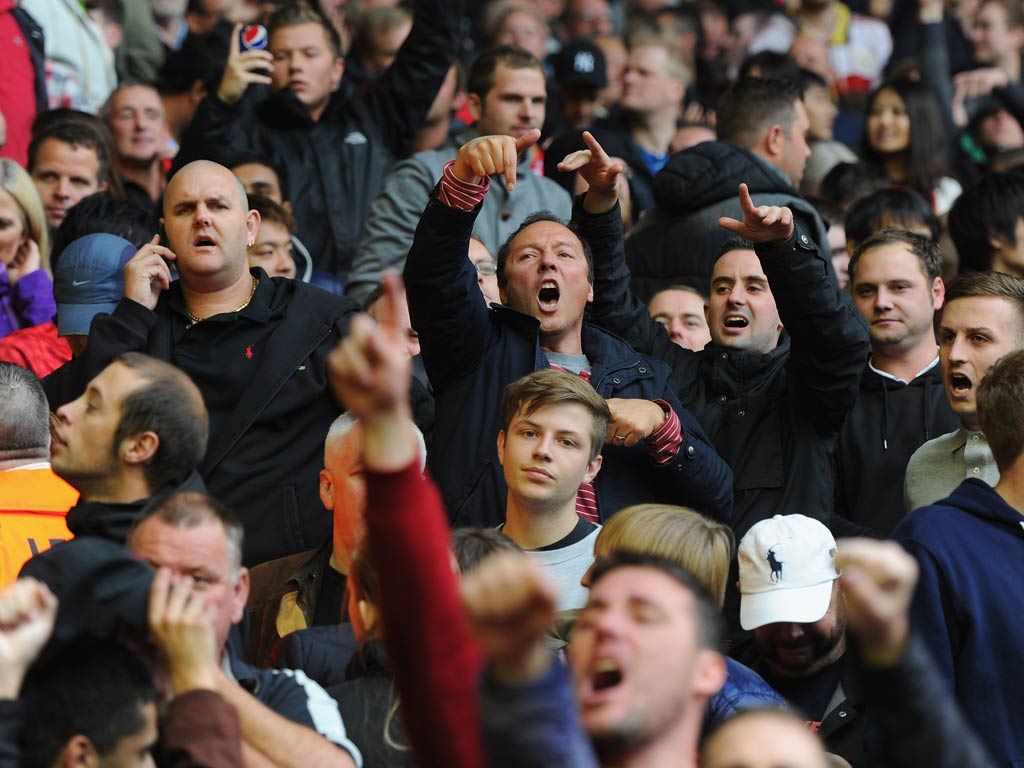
[{"x": 787, "y": 566}]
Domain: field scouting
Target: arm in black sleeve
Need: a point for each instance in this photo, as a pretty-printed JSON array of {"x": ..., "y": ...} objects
[
  {"x": 615, "y": 307},
  {"x": 917, "y": 719},
  {"x": 10, "y": 729},
  {"x": 126, "y": 329},
  {"x": 829, "y": 337},
  {"x": 401, "y": 97},
  {"x": 219, "y": 130},
  {"x": 445, "y": 304},
  {"x": 534, "y": 723},
  {"x": 1012, "y": 95},
  {"x": 934, "y": 63}
]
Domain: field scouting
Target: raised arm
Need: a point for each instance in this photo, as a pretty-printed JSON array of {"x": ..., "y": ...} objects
[
  {"x": 445, "y": 303},
  {"x": 27, "y": 613},
  {"x": 435, "y": 659},
  {"x": 401, "y": 97},
  {"x": 904, "y": 692},
  {"x": 829, "y": 337},
  {"x": 528, "y": 706},
  {"x": 225, "y": 121},
  {"x": 615, "y": 307}
]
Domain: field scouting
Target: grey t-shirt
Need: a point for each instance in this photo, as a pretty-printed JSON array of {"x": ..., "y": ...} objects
[{"x": 573, "y": 363}]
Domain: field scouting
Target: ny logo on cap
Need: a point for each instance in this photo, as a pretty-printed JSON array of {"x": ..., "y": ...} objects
[
  {"x": 775, "y": 564},
  {"x": 583, "y": 62}
]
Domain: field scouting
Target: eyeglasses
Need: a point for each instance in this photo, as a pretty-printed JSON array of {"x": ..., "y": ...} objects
[{"x": 487, "y": 267}]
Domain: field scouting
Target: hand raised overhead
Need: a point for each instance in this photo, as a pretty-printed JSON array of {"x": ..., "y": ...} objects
[
  {"x": 490, "y": 155},
  {"x": 511, "y": 602},
  {"x": 600, "y": 172},
  {"x": 369, "y": 370},
  {"x": 27, "y": 612},
  {"x": 761, "y": 223},
  {"x": 243, "y": 68},
  {"x": 878, "y": 580}
]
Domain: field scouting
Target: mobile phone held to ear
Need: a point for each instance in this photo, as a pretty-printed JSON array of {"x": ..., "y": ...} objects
[{"x": 166, "y": 244}]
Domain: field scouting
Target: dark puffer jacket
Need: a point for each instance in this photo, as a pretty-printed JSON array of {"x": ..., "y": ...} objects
[
  {"x": 677, "y": 241},
  {"x": 743, "y": 689},
  {"x": 333, "y": 167},
  {"x": 773, "y": 417}
]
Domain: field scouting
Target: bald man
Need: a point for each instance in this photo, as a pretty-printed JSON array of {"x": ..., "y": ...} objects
[{"x": 256, "y": 346}]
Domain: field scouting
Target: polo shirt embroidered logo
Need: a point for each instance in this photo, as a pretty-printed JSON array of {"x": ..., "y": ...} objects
[
  {"x": 248, "y": 352},
  {"x": 776, "y": 565}
]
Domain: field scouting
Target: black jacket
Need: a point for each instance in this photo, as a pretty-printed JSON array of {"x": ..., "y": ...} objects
[
  {"x": 889, "y": 421},
  {"x": 333, "y": 168},
  {"x": 264, "y": 460},
  {"x": 774, "y": 418},
  {"x": 679, "y": 238},
  {"x": 368, "y": 702},
  {"x": 323, "y": 652},
  {"x": 842, "y": 726},
  {"x": 113, "y": 521},
  {"x": 472, "y": 352}
]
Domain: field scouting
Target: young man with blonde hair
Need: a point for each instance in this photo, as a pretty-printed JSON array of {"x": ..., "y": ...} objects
[{"x": 550, "y": 445}]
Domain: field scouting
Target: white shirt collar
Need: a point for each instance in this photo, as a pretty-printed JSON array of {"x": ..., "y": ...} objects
[{"x": 883, "y": 374}]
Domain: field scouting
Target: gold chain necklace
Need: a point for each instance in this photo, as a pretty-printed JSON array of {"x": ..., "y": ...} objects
[{"x": 192, "y": 319}]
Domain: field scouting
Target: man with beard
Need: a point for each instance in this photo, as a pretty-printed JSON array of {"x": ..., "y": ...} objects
[{"x": 791, "y": 601}]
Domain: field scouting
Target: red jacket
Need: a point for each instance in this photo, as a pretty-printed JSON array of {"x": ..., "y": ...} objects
[
  {"x": 37, "y": 348},
  {"x": 436, "y": 660}
]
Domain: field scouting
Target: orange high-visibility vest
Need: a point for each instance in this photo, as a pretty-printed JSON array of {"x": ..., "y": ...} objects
[{"x": 33, "y": 504}]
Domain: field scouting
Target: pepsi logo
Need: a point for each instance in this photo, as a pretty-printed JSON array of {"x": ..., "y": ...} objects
[{"x": 253, "y": 38}]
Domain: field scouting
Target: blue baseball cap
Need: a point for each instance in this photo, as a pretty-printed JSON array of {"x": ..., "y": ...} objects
[{"x": 89, "y": 279}]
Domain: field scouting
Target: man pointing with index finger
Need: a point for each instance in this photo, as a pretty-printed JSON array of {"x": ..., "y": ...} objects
[{"x": 655, "y": 451}]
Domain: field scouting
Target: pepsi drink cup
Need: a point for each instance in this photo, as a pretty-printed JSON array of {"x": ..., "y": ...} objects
[{"x": 253, "y": 38}]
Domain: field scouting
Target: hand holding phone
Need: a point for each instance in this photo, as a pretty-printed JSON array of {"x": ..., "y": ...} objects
[{"x": 147, "y": 274}]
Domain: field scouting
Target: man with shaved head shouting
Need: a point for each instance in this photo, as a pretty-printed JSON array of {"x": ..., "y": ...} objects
[{"x": 256, "y": 346}]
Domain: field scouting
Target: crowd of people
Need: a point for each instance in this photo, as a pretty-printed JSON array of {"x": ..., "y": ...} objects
[{"x": 621, "y": 383}]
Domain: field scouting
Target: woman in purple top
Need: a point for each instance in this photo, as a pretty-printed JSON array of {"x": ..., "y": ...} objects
[{"x": 26, "y": 292}]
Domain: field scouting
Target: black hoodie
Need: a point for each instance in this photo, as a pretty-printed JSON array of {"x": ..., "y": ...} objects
[
  {"x": 678, "y": 240},
  {"x": 112, "y": 521},
  {"x": 889, "y": 421}
]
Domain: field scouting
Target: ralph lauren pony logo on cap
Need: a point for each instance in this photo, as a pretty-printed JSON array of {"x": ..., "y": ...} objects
[
  {"x": 775, "y": 564},
  {"x": 787, "y": 569}
]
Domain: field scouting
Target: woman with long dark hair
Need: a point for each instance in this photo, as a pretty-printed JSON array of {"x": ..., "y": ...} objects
[{"x": 906, "y": 142}]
